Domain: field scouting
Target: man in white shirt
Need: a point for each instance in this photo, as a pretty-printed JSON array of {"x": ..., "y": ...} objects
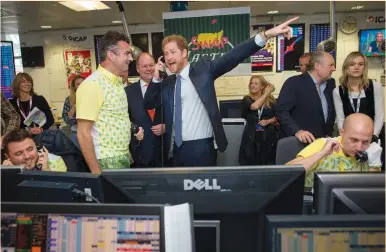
[
  {"x": 146, "y": 153},
  {"x": 191, "y": 113}
]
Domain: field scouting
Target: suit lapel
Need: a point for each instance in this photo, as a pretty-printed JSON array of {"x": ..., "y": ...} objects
[{"x": 138, "y": 92}]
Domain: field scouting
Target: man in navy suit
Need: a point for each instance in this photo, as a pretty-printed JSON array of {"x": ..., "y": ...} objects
[
  {"x": 146, "y": 153},
  {"x": 305, "y": 107},
  {"x": 192, "y": 117}
]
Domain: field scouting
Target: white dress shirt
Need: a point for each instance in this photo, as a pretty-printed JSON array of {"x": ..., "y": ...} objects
[{"x": 144, "y": 86}]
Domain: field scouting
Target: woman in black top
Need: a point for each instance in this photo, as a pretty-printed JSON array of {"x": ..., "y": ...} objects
[
  {"x": 258, "y": 144},
  {"x": 25, "y": 100}
]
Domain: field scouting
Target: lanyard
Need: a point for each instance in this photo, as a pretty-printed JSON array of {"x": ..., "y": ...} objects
[
  {"x": 358, "y": 102},
  {"x": 21, "y": 108},
  {"x": 260, "y": 112}
]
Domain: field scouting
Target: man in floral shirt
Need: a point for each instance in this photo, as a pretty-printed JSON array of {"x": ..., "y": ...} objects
[{"x": 338, "y": 154}]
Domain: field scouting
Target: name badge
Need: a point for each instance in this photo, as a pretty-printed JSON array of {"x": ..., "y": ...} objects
[{"x": 259, "y": 127}]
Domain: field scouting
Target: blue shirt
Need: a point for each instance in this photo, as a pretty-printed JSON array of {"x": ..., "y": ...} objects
[{"x": 320, "y": 88}]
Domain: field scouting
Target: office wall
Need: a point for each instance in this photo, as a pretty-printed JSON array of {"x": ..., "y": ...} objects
[{"x": 50, "y": 81}]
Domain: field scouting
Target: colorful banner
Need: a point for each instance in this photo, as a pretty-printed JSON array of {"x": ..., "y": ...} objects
[
  {"x": 263, "y": 59},
  {"x": 211, "y": 33},
  {"x": 78, "y": 62}
]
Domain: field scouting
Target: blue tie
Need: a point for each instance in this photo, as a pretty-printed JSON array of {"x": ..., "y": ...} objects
[{"x": 178, "y": 113}]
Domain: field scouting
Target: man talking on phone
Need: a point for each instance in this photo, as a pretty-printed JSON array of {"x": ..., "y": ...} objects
[
  {"x": 191, "y": 115},
  {"x": 20, "y": 149}
]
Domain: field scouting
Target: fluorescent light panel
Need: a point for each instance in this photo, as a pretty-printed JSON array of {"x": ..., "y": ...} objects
[
  {"x": 273, "y": 12},
  {"x": 116, "y": 22},
  {"x": 85, "y": 5},
  {"x": 46, "y": 26}
]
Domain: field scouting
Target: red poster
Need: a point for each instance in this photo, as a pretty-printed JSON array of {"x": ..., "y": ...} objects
[{"x": 78, "y": 62}]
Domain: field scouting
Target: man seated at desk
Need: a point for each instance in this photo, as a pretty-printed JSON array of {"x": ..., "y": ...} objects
[
  {"x": 339, "y": 154},
  {"x": 20, "y": 149}
]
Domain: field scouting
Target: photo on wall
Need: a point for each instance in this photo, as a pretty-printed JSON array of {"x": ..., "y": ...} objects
[
  {"x": 78, "y": 62},
  {"x": 290, "y": 47},
  {"x": 263, "y": 59}
]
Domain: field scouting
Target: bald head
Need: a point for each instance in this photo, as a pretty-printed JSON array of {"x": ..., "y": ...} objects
[
  {"x": 356, "y": 133},
  {"x": 358, "y": 121},
  {"x": 146, "y": 66}
]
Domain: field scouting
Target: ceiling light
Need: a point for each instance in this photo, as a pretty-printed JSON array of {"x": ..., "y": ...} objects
[
  {"x": 85, "y": 5},
  {"x": 46, "y": 26},
  {"x": 273, "y": 12},
  {"x": 116, "y": 22},
  {"x": 357, "y": 7}
]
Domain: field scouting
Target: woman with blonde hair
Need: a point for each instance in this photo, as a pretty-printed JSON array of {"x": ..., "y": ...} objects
[
  {"x": 68, "y": 112},
  {"x": 25, "y": 100},
  {"x": 258, "y": 144},
  {"x": 358, "y": 93},
  {"x": 376, "y": 44}
]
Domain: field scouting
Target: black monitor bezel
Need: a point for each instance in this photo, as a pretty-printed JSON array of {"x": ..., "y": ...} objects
[
  {"x": 339, "y": 196},
  {"x": 324, "y": 182}
]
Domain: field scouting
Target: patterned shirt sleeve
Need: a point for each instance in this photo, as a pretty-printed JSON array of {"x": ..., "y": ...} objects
[{"x": 9, "y": 115}]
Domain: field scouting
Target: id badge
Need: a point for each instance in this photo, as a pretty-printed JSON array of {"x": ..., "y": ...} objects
[{"x": 259, "y": 127}]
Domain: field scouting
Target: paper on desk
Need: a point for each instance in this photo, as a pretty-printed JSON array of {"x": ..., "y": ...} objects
[
  {"x": 35, "y": 116},
  {"x": 178, "y": 228}
]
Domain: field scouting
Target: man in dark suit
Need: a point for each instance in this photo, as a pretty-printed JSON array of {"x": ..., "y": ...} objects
[
  {"x": 146, "y": 153},
  {"x": 305, "y": 107},
  {"x": 192, "y": 117}
]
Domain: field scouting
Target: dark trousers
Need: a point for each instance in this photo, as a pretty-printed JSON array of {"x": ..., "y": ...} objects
[{"x": 195, "y": 153}]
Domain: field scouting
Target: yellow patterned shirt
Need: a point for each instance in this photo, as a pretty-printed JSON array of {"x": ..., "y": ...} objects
[
  {"x": 336, "y": 162},
  {"x": 102, "y": 99}
]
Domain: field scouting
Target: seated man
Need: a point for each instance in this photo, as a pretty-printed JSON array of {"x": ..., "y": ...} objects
[
  {"x": 20, "y": 149},
  {"x": 339, "y": 154}
]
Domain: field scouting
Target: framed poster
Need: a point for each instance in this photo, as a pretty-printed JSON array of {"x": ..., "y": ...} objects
[
  {"x": 78, "y": 62},
  {"x": 290, "y": 48},
  {"x": 263, "y": 59}
]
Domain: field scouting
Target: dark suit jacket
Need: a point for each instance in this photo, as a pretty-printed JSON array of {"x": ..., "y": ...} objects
[
  {"x": 143, "y": 152},
  {"x": 299, "y": 107},
  {"x": 202, "y": 74}
]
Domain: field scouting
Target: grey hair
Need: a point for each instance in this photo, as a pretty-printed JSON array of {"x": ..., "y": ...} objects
[
  {"x": 110, "y": 41},
  {"x": 316, "y": 57}
]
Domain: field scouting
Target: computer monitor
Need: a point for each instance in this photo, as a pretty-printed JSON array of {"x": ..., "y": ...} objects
[
  {"x": 238, "y": 197},
  {"x": 9, "y": 181},
  {"x": 47, "y": 186},
  {"x": 309, "y": 233},
  {"x": 358, "y": 201},
  {"x": 231, "y": 108},
  {"x": 325, "y": 182},
  {"x": 81, "y": 227}
]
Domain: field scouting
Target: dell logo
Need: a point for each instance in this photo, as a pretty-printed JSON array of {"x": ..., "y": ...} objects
[{"x": 201, "y": 184}]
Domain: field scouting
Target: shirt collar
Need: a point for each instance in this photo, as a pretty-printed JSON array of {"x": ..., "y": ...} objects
[
  {"x": 143, "y": 83},
  {"x": 314, "y": 80},
  {"x": 185, "y": 72},
  {"x": 117, "y": 80}
]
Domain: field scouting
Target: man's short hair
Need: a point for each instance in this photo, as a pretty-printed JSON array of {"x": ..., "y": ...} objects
[
  {"x": 109, "y": 42},
  {"x": 315, "y": 57},
  {"x": 143, "y": 54},
  {"x": 305, "y": 55},
  {"x": 180, "y": 41},
  {"x": 18, "y": 135}
]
